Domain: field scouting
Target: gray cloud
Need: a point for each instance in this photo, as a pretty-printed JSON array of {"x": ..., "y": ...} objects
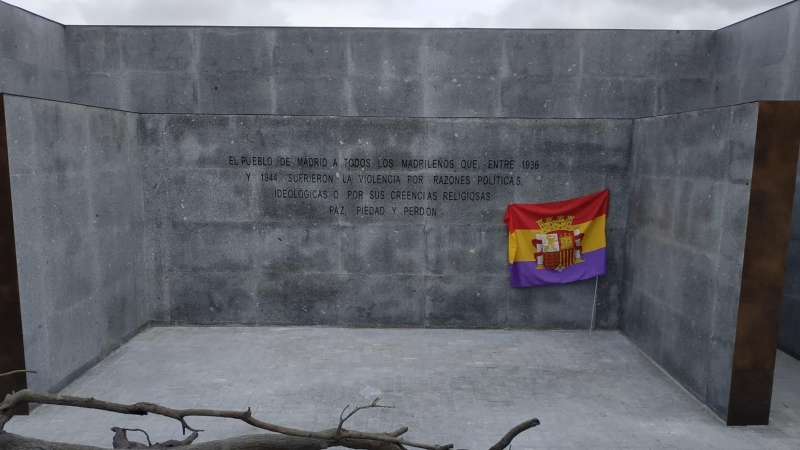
[{"x": 657, "y": 14}]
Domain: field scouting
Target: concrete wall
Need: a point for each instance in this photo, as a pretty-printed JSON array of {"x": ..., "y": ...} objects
[
  {"x": 32, "y": 55},
  {"x": 357, "y": 72},
  {"x": 687, "y": 217},
  {"x": 78, "y": 220},
  {"x": 402, "y": 72},
  {"x": 390, "y": 72},
  {"x": 393, "y": 73},
  {"x": 759, "y": 59},
  {"x": 227, "y": 250},
  {"x": 789, "y": 339}
]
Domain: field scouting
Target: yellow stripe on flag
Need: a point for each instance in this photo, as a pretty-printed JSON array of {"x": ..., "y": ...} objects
[{"x": 520, "y": 247}]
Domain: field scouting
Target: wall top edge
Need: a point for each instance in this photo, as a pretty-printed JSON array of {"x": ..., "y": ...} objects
[
  {"x": 508, "y": 118},
  {"x": 418, "y": 29}
]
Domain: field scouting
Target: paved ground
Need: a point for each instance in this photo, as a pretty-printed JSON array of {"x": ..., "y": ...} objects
[{"x": 465, "y": 387}]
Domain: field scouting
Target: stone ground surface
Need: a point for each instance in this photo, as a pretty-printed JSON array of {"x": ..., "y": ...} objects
[{"x": 465, "y": 387}]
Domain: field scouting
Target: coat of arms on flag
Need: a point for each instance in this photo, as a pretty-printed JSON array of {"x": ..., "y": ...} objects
[{"x": 559, "y": 242}]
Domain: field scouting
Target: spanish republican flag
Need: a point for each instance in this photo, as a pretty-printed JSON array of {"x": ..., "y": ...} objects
[{"x": 559, "y": 242}]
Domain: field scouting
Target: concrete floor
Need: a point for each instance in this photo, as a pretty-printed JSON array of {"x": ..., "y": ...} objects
[{"x": 464, "y": 387}]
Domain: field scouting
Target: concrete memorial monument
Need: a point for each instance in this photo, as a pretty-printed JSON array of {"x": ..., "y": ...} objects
[{"x": 351, "y": 177}]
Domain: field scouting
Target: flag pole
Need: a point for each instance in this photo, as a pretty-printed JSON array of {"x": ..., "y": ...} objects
[{"x": 594, "y": 304}]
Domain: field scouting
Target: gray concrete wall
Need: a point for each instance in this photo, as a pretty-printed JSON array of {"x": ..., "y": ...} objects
[
  {"x": 358, "y": 72},
  {"x": 789, "y": 339},
  {"x": 687, "y": 216},
  {"x": 394, "y": 72},
  {"x": 402, "y": 72},
  {"x": 225, "y": 249},
  {"x": 759, "y": 59},
  {"x": 390, "y": 72},
  {"x": 32, "y": 55},
  {"x": 78, "y": 220}
]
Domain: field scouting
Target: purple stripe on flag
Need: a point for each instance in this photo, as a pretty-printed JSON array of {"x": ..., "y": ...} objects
[{"x": 525, "y": 273}]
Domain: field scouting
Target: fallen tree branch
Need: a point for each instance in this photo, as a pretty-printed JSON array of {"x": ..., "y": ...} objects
[
  {"x": 9, "y": 441},
  {"x": 285, "y": 439},
  {"x": 142, "y": 431},
  {"x": 121, "y": 438},
  {"x": 342, "y": 420},
  {"x": 143, "y": 408},
  {"x": 14, "y": 372},
  {"x": 177, "y": 443},
  {"x": 505, "y": 441},
  {"x": 5, "y": 416}
]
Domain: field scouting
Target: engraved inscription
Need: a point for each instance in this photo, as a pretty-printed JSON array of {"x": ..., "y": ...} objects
[{"x": 365, "y": 187}]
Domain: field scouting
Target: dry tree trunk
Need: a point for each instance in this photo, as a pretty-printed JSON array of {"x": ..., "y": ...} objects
[
  {"x": 9, "y": 441},
  {"x": 279, "y": 438}
]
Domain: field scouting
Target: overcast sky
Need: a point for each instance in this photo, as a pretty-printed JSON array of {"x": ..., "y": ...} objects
[{"x": 663, "y": 14}]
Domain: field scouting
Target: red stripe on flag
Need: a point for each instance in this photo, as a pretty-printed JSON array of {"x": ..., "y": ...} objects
[
  {"x": 524, "y": 216},
  {"x": 568, "y": 256}
]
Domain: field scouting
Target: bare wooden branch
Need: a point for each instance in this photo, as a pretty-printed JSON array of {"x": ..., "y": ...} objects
[
  {"x": 10, "y": 441},
  {"x": 6, "y": 415},
  {"x": 121, "y": 438},
  {"x": 144, "y": 408},
  {"x": 285, "y": 439},
  {"x": 506, "y": 440},
  {"x": 177, "y": 443},
  {"x": 342, "y": 420},
  {"x": 398, "y": 432},
  {"x": 14, "y": 372},
  {"x": 142, "y": 431}
]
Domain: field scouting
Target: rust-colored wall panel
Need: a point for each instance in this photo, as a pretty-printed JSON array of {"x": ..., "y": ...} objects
[
  {"x": 751, "y": 402},
  {"x": 765, "y": 253},
  {"x": 12, "y": 351}
]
